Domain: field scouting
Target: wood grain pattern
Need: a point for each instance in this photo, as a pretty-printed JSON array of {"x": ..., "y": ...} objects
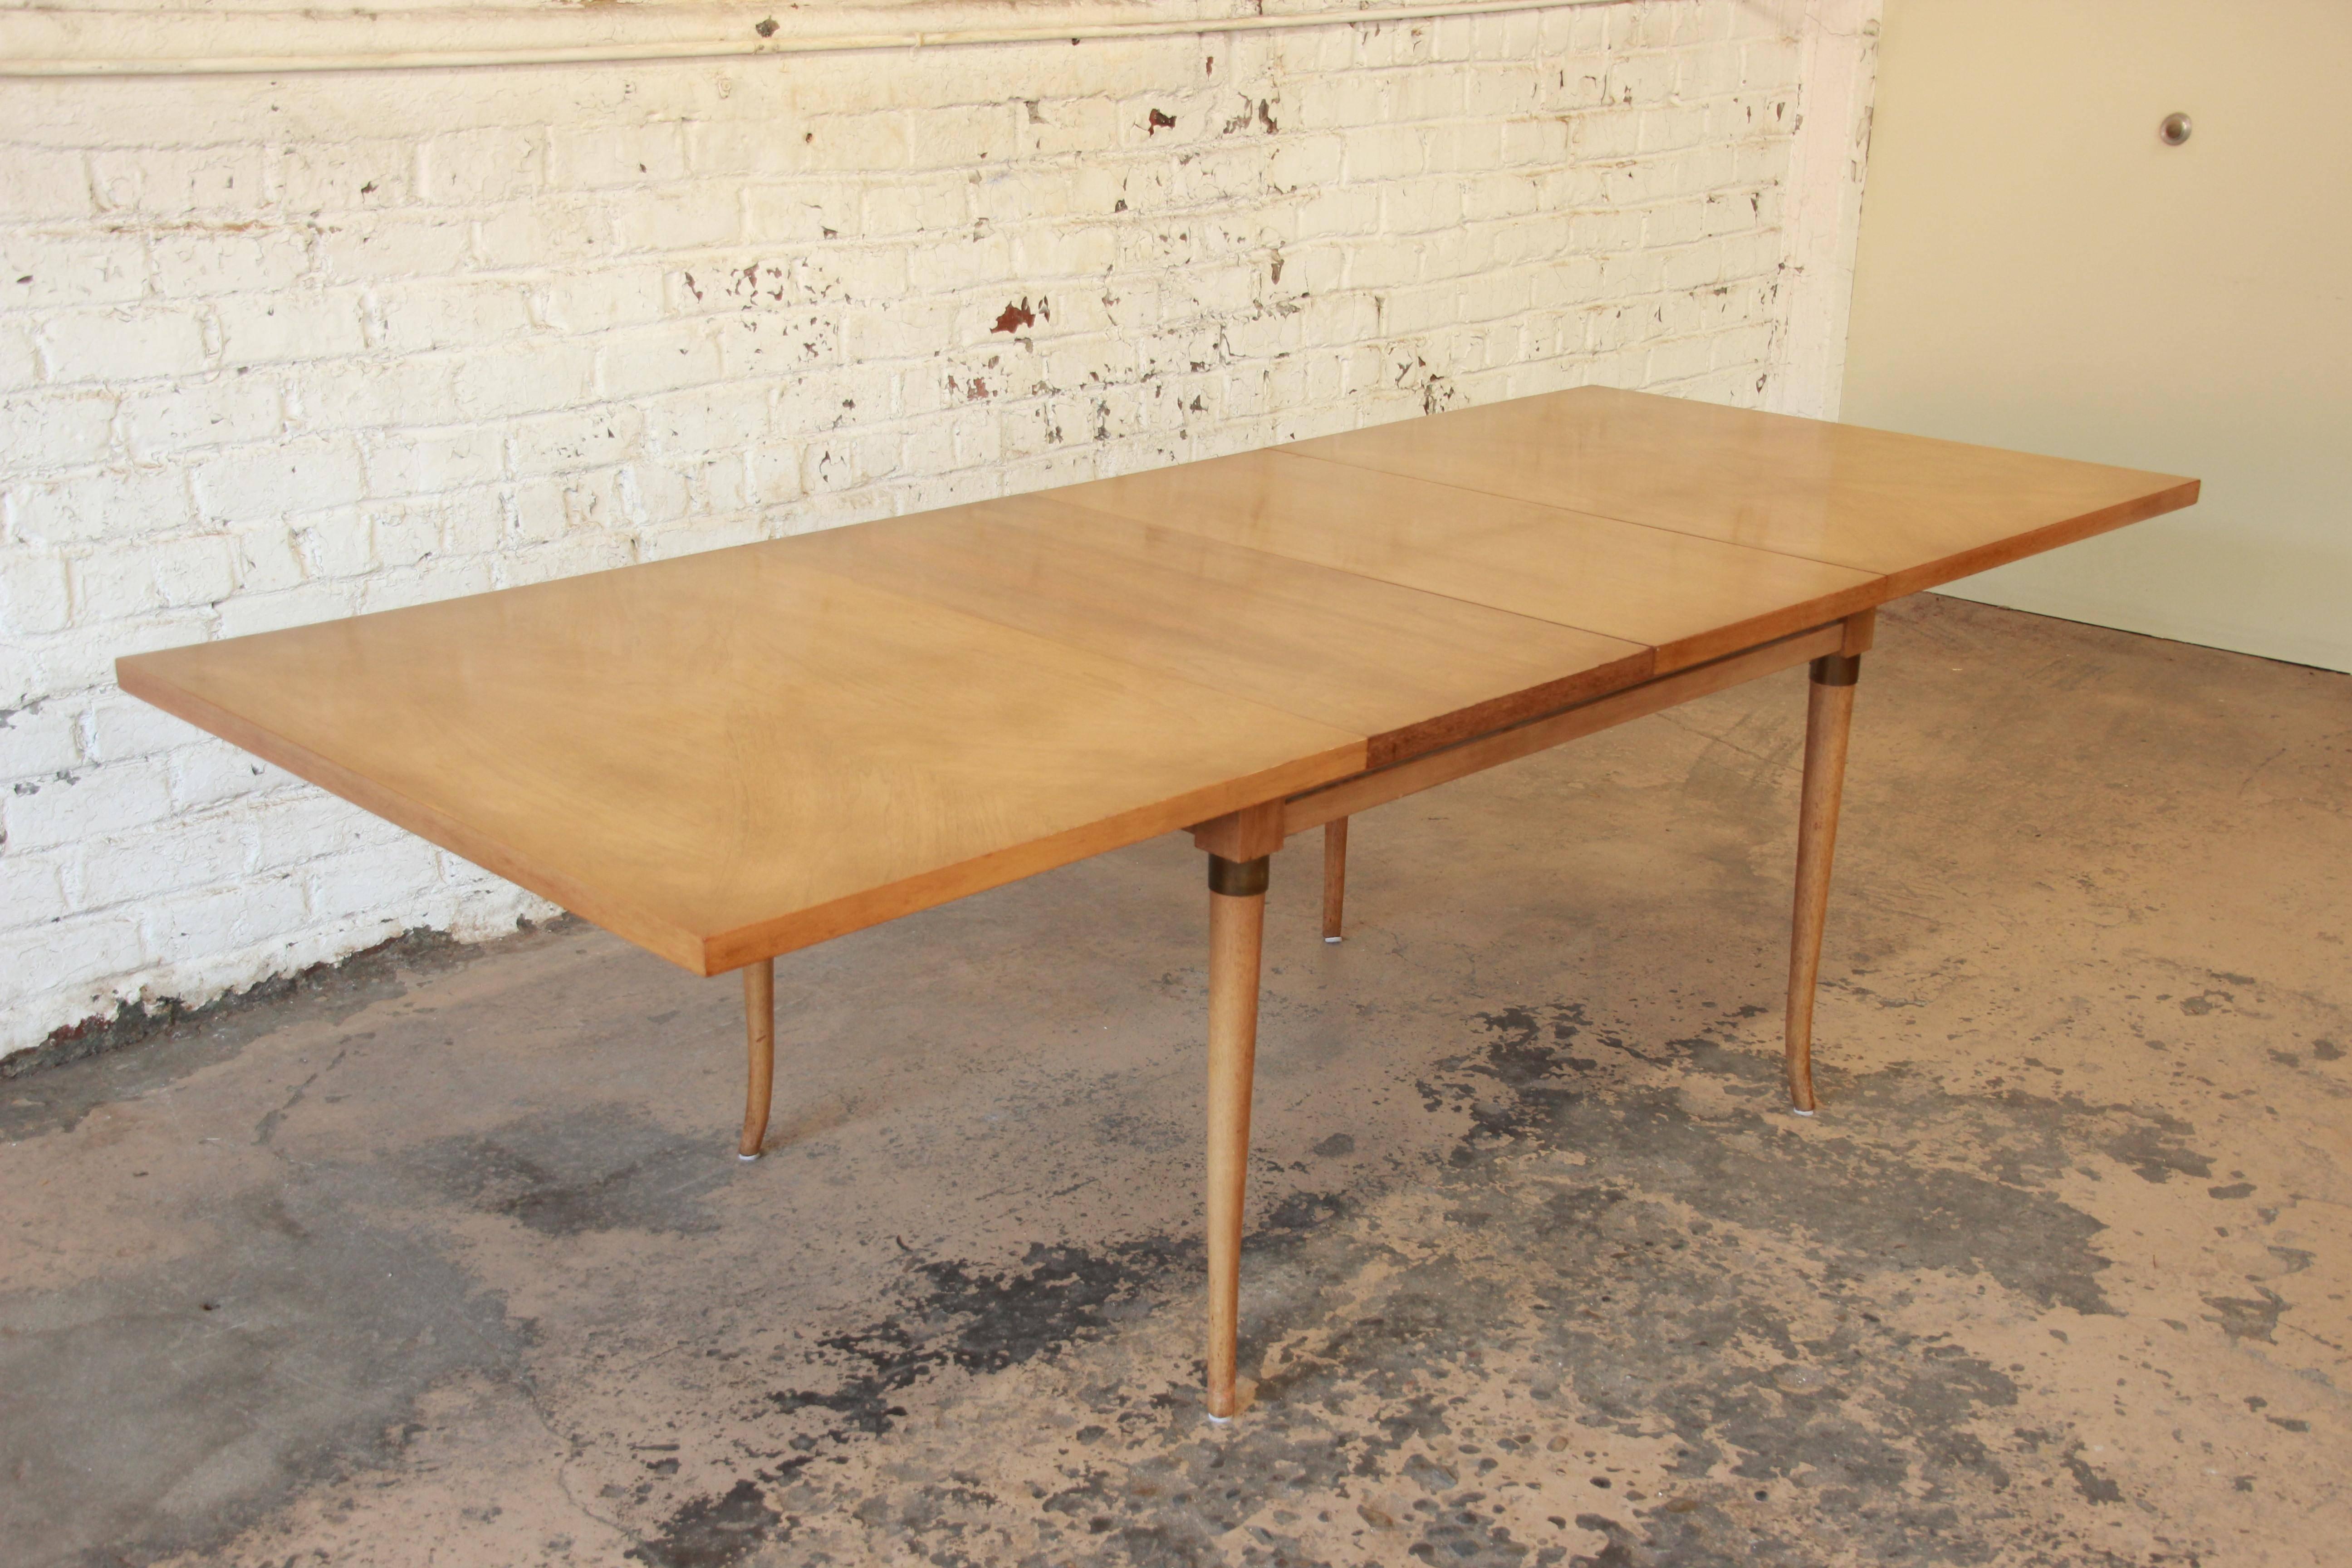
[
  {"x": 1249, "y": 833},
  {"x": 1335, "y": 878},
  {"x": 1919, "y": 512},
  {"x": 1691, "y": 599},
  {"x": 728, "y": 756},
  {"x": 731, "y": 755},
  {"x": 760, "y": 1047},
  {"x": 1237, "y": 934},
  {"x": 1829, "y": 724},
  {"x": 1409, "y": 671}
]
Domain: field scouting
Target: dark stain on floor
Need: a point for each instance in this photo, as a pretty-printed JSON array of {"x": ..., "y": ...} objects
[
  {"x": 953, "y": 1315},
  {"x": 1917, "y": 1216},
  {"x": 608, "y": 1167},
  {"x": 1885, "y": 1431},
  {"x": 712, "y": 1532}
]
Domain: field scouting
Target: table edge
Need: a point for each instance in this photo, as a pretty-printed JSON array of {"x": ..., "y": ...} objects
[{"x": 714, "y": 952}]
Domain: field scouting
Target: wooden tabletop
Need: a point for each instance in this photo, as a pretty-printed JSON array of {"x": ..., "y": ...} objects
[{"x": 737, "y": 753}]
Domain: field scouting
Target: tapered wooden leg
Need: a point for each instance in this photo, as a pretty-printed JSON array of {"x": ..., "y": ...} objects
[
  {"x": 760, "y": 1040},
  {"x": 1828, "y": 716},
  {"x": 1335, "y": 875},
  {"x": 1236, "y": 929}
]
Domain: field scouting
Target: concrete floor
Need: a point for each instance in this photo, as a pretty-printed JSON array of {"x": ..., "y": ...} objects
[{"x": 448, "y": 1260}]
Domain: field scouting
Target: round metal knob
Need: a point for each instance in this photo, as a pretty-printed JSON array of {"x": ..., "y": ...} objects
[{"x": 2174, "y": 129}]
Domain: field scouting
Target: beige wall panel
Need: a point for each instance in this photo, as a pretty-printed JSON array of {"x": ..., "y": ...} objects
[{"x": 2038, "y": 270}]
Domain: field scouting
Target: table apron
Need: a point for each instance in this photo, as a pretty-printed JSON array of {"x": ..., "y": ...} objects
[{"x": 1345, "y": 798}]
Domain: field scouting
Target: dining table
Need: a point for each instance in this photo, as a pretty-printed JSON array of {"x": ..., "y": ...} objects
[{"x": 727, "y": 756}]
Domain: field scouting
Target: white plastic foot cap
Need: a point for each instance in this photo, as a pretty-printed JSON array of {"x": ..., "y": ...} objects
[
  {"x": 1330, "y": 939},
  {"x": 747, "y": 1159}
]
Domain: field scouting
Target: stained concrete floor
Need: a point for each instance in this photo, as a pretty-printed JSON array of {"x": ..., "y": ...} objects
[{"x": 447, "y": 1259}]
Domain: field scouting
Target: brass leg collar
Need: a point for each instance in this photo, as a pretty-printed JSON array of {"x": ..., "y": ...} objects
[
  {"x": 1837, "y": 670},
  {"x": 1237, "y": 878}
]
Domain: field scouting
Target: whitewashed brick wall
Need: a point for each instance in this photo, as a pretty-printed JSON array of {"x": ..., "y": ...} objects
[{"x": 278, "y": 351}]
